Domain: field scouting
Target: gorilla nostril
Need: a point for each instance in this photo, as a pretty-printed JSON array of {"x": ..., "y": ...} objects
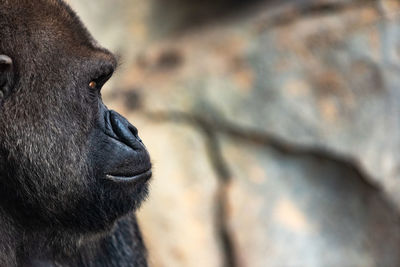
[
  {"x": 124, "y": 131},
  {"x": 133, "y": 130}
]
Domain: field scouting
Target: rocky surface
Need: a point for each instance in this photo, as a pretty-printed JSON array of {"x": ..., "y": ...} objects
[{"x": 273, "y": 125}]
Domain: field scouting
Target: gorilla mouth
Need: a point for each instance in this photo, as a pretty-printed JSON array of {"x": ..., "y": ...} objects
[
  {"x": 136, "y": 178},
  {"x": 128, "y": 160}
]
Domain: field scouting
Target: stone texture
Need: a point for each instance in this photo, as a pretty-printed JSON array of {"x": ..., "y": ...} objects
[
  {"x": 306, "y": 211},
  {"x": 177, "y": 219},
  {"x": 336, "y": 74}
]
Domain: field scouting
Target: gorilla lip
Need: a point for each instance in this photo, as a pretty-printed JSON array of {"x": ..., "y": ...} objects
[{"x": 144, "y": 176}]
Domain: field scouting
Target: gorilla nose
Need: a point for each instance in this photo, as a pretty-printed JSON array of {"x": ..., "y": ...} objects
[{"x": 119, "y": 128}]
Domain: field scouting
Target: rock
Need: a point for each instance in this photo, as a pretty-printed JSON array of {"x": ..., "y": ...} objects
[
  {"x": 177, "y": 220},
  {"x": 306, "y": 211},
  {"x": 318, "y": 81}
]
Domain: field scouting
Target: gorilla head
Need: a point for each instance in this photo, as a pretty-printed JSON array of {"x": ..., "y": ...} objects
[{"x": 69, "y": 166}]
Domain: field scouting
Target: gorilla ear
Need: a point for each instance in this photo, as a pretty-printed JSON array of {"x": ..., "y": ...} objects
[
  {"x": 5, "y": 61},
  {"x": 6, "y": 76},
  {"x": 5, "y": 64}
]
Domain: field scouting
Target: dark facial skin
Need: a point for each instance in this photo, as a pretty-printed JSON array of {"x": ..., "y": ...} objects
[{"x": 71, "y": 170}]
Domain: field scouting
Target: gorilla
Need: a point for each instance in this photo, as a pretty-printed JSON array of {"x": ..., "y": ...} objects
[{"x": 72, "y": 172}]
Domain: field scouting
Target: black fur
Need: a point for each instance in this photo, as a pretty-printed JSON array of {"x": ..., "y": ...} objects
[{"x": 59, "y": 144}]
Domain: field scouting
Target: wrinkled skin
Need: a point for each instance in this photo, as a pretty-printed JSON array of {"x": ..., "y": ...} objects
[{"x": 71, "y": 171}]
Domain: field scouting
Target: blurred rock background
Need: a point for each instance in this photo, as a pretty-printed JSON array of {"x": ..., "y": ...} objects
[{"x": 273, "y": 127}]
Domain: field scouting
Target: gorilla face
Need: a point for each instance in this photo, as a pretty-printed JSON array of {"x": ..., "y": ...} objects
[{"x": 67, "y": 162}]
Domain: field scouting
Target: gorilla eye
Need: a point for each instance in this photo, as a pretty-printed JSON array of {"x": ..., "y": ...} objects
[
  {"x": 100, "y": 81},
  {"x": 93, "y": 84}
]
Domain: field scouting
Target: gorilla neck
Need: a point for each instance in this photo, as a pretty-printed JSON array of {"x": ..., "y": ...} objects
[
  {"x": 8, "y": 242},
  {"x": 122, "y": 245},
  {"x": 27, "y": 247}
]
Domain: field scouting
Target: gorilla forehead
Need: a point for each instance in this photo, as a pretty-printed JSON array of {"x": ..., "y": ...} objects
[
  {"x": 52, "y": 33},
  {"x": 50, "y": 16}
]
